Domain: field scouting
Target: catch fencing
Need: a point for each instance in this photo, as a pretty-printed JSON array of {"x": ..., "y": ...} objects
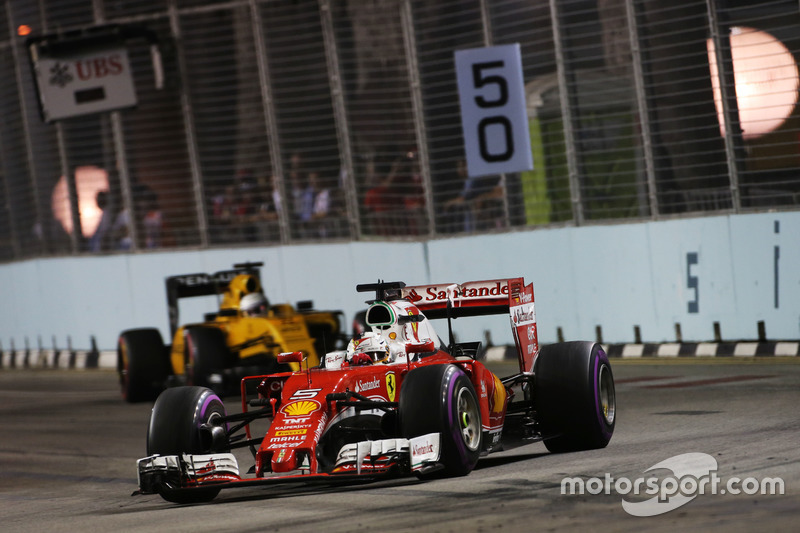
[{"x": 293, "y": 121}]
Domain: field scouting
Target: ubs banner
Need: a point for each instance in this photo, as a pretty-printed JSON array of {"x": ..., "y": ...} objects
[{"x": 84, "y": 81}]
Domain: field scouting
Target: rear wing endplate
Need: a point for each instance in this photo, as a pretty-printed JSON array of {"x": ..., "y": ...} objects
[{"x": 482, "y": 298}]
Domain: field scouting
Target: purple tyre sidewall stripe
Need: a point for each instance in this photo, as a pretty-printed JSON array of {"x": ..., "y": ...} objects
[
  {"x": 601, "y": 419},
  {"x": 452, "y": 411},
  {"x": 209, "y": 398}
]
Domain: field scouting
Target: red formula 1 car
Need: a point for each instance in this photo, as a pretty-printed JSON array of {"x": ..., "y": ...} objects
[{"x": 398, "y": 401}]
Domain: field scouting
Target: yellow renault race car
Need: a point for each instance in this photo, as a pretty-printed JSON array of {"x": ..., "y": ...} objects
[{"x": 242, "y": 338}]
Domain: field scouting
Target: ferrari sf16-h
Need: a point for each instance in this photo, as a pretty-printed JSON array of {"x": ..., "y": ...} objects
[{"x": 398, "y": 401}]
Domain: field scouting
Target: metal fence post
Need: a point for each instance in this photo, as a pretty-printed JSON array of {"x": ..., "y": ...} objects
[
  {"x": 410, "y": 42},
  {"x": 488, "y": 40},
  {"x": 124, "y": 176},
  {"x": 570, "y": 143},
  {"x": 643, "y": 108},
  {"x": 340, "y": 116},
  {"x": 730, "y": 107},
  {"x": 188, "y": 122},
  {"x": 273, "y": 137},
  {"x": 72, "y": 190},
  {"x": 12, "y": 223},
  {"x": 34, "y": 177}
]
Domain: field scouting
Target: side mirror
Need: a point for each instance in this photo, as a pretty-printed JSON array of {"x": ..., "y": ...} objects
[
  {"x": 290, "y": 357},
  {"x": 424, "y": 347}
]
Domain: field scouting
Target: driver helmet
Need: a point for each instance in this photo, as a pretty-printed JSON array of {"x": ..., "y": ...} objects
[
  {"x": 254, "y": 304},
  {"x": 398, "y": 322},
  {"x": 372, "y": 345}
]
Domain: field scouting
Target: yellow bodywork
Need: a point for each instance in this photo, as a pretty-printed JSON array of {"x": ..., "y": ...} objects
[{"x": 282, "y": 329}]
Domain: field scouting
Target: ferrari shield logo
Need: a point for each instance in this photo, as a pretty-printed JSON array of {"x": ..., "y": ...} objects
[{"x": 391, "y": 387}]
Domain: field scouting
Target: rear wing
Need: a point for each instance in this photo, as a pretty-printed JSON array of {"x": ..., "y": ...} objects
[
  {"x": 481, "y": 298},
  {"x": 202, "y": 284}
]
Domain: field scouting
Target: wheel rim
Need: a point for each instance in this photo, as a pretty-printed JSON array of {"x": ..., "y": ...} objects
[
  {"x": 608, "y": 402},
  {"x": 469, "y": 419}
]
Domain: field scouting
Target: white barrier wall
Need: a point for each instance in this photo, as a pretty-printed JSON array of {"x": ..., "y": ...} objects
[{"x": 733, "y": 270}]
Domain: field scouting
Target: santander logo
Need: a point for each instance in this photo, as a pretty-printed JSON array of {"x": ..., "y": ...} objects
[
  {"x": 467, "y": 291},
  {"x": 413, "y": 296},
  {"x": 208, "y": 468},
  {"x": 423, "y": 449},
  {"x": 523, "y": 314},
  {"x": 362, "y": 386}
]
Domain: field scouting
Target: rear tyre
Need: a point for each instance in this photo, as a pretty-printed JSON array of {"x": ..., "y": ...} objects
[
  {"x": 207, "y": 358},
  {"x": 575, "y": 397},
  {"x": 142, "y": 364},
  {"x": 186, "y": 420},
  {"x": 441, "y": 399}
]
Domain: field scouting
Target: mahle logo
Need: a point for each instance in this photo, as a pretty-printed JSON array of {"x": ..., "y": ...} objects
[{"x": 692, "y": 474}]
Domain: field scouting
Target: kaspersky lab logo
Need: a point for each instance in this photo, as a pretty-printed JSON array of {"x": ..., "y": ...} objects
[{"x": 692, "y": 474}]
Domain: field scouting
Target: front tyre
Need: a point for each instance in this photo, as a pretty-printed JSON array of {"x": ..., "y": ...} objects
[
  {"x": 187, "y": 420},
  {"x": 441, "y": 399},
  {"x": 575, "y": 396}
]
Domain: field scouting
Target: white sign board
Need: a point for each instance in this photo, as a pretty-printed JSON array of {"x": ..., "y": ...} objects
[
  {"x": 493, "y": 111},
  {"x": 84, "y": 82}
]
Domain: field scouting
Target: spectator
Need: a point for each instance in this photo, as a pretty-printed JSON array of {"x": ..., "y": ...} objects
[
  {"x": 338, "y": 221},
  {"x": 245, "y": 205},
  {"x": 479, "y": 204},
  {"x": 487, "y": 196},
  {"x": 458, "y": 213},
  {"x": 222, "y": 209},
  {"x": 404, "y": 189},
  {"x": 414, "y": 198},
  {"x": 153, "y": 222},
  {"x": 336, "y": 225},
  {"x": 266, "y": 210},
  {"x": 121, "y": 231},
  {"x": 303, "y": 197},
  {"x": 99, "y": 240},
  {"x": 378, "y": 204},
  {"x": 321, "y": 207}
]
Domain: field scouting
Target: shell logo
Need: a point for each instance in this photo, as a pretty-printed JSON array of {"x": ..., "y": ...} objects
[{"x": 301, "y": 408}]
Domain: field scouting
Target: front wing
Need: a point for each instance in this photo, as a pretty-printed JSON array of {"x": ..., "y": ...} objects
[{"x": 365, "y": 459}]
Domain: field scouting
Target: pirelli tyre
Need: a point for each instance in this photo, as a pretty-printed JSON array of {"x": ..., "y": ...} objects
[
  {"x": 574, "y": 396},
  {"x": 187, "y": 420},
  {"x": 441, "y": 398},
  {"x": 142, "y": 364},
  {"x": 207, "y": 358}
]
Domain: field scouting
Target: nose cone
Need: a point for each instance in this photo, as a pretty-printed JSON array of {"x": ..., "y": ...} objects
[{"x": 284, "y": 460}]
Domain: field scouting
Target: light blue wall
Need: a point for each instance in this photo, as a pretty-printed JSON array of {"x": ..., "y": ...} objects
[{"x": 614, "y": 276}]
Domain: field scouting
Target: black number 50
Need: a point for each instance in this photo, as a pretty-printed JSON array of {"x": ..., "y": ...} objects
[{"x": 480, "y": 80}]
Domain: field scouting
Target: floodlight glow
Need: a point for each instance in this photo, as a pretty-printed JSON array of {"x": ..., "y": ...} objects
[
  {"x": 766, "y": 78},
  {"x": 89, "y": 181}
]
